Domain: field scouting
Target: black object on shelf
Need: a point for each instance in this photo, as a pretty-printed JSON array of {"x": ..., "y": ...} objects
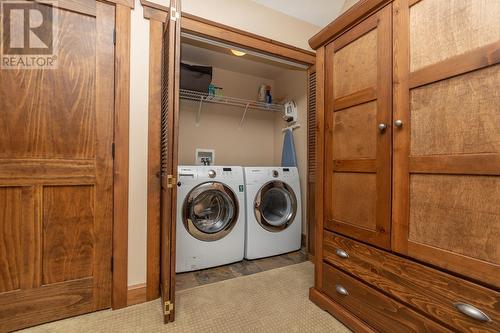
[{"x": 196, "y": 78}]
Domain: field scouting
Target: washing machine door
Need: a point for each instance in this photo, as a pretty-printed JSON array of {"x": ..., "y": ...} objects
[
  {"x": 275, "y": 206},
  {"x": 210, "y": 211}
]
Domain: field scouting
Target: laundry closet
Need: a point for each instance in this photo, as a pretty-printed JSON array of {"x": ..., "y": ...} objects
[{"x": 237, "y": 110}]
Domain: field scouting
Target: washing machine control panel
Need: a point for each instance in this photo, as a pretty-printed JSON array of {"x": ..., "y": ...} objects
[
  {"x": 190, "y": 173},
  {"x": 219, "y": 173}
]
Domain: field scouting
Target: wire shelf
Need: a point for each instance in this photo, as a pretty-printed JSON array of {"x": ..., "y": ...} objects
[{"x": 244, "y": 103}]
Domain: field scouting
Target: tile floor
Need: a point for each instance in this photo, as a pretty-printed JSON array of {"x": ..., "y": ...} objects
[{"x": 245, "y": 267}]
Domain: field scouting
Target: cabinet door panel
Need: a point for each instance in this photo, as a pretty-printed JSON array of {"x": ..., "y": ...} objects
[
  {"x": 358, "y": 97},
  {"x": 355, "y": 131},
  {"x": 456, "y": 213},
  {"x": 447, "y": 152},
  {"x": 353, "y": 201},
  {"x": 440, "y": 30},
  {"x": 355, "y": 66},
  {"x": 457, "y": 116}
]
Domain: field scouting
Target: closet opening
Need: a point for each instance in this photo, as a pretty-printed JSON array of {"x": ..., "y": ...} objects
[{"x": 232, "y": 121}]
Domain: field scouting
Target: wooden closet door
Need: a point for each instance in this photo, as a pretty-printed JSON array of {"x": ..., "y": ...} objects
[
  {"x": 358, "y": 131},
  {"x": 56, "y": 175},
  {"x": 169, "y": 153},
  {"x": 311, "y": 158},
  {"x": 446, "y": 208}
]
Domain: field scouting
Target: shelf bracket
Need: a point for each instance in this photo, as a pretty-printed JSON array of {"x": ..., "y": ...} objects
[
  {"x": 244, "y": 114},
  {"x": 198, "y": 115}
]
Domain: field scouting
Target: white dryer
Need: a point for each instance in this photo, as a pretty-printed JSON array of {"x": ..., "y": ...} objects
[
  {"x": 210, "y": 217},
  {"x": 273, "y": 211}
]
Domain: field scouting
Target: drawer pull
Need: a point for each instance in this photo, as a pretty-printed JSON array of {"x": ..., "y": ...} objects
[
  {"x": 341, "y": 253},
  {"x": 472, "y": 312},
  {"x": 341, "y": 290}
]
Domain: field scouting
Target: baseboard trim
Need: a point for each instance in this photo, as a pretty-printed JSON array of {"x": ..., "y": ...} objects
[
  {"x": 136, "y": 294},
  {"x": 339, "y": 312}
]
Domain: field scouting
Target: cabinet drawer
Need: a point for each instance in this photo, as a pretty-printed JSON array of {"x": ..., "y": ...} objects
[
  {"x": 434, "y": 293},
  {"x": 379, "y": 311}
]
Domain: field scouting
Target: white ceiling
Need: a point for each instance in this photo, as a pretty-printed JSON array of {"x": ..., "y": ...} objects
[{"x": 316, "y": 12}]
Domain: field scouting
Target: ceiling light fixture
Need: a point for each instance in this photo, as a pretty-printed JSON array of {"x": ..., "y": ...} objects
[
  {"x": 261, "y": 55},
  {"x": 238, "y": 53}
]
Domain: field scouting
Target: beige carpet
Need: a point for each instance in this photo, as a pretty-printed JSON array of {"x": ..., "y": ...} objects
[{"x": 271, "y": 301}]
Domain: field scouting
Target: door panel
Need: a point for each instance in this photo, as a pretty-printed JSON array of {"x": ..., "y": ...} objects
[
  {"x": 447, "y": 149},
  {"x": 458, "y": 115},
  {"x": 35, "y": 127},
  {"x": 353, "y": 200},
  {"x": 18, "y": 208},
  {"x": 56, "y": 177},
  {"x": 68, "y": 232},
  {"x": 169, "y": 143},
  {"x": 456, "y": 213},
  {"x": 358, "y": 95},
  {"x": 355, "y": 65},
  {"x": 443, "y": 29},
  {"x": 354, "y": 128}
]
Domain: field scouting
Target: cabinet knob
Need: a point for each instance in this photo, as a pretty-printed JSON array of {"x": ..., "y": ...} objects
[
  {"x": 341, "y": 253},
  {"x": 341, "y": 290},
  {"x": 382, "y": 127},
  {"x": 398, "y": 123},
  {"x": 472, "y": 312}
]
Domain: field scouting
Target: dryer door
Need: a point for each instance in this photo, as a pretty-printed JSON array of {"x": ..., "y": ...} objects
[
  {"x": 275, "y": 206},
  {"x": 210, "y": 211}
]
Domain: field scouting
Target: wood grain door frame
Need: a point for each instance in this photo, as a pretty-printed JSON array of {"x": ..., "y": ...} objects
[
  {"x": 157, "y": 15},
  {"x": 156, "y": 22},
  {"x": 479, "y": 164},
  {"x": 121, "y": 152}
]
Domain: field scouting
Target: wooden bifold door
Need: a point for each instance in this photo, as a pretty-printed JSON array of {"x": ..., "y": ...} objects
[
  {"x": 169, "y": 153},
  {"x": 358, "y": 131},
  {"x": 56, "y": 176}
]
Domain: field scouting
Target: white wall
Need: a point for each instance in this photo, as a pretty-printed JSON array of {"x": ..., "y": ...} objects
[
  {"x": 293, "y": 85},
  {"x": 249, "y": 145},
  {"x": 252, "y": 17},
  {"x": 348, "y": 4},
  {"x": 242, "y": 14},
  {"x": 138, "y": 147}
]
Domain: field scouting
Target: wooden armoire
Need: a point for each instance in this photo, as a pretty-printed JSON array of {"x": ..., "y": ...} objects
[{"x": 408, "y": 166}]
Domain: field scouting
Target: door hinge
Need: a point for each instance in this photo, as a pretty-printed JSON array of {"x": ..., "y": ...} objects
[
  {"x": 113, "y": 150},
  {"x": 171, "y": 181},
  {"x": 168, "y": 307},
  {"x": 174, "y": 14},
  {"x": 114, "y": 36}
]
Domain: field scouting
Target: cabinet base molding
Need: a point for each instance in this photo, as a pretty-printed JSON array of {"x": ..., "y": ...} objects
[{"x": 339, "y": 312}]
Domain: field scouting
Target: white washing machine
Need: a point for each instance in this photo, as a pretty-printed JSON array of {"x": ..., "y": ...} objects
[
  {"x": 273, "y": 211},
  {"x": 210, "y": 217}
]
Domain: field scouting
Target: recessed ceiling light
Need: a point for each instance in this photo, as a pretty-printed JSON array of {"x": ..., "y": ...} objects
[{"x": 238, "y": 53}]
